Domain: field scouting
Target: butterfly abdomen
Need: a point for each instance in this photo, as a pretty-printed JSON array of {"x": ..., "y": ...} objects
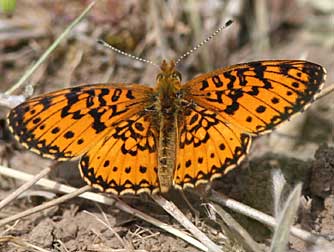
[
  {"x": 168, "y": 85},
  {"x": 166, "y": 150},
  {"x": 167, "y": 139}
]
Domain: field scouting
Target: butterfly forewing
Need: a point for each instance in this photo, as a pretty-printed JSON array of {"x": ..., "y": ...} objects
[
  {"x": 257, "y": 96},
  {"x": 63, "y": 124}
]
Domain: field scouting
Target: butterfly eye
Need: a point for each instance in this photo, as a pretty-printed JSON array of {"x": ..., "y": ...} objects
[
  {"x": 177, "y": 75},
  {"x": 159, "y": 76}
]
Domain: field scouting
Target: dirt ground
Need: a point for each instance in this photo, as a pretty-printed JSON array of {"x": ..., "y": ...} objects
[{"x": 302, "y": 149}]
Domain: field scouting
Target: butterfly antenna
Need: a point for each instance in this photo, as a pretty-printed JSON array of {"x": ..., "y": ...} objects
[
  {"x": 228, "y": 23},
  {"x": 104, "y": 43}
]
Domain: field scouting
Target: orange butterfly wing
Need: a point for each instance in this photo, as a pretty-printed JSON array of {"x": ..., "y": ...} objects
[
  {"x": 226, "y": 106},
  {"x": 257, "y": 96},
  {"x": 208, "y": 147},
  {"x": 126, "y": 160},
  {"x": 65, "y": 123}
]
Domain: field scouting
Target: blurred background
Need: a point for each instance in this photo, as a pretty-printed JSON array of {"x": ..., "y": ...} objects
[{"x": 157, "y": 30}]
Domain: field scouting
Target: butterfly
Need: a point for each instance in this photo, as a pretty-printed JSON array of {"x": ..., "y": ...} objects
[{"x": 132, "y": 138}]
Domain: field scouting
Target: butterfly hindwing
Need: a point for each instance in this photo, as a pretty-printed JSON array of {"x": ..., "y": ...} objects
[
  {"x": 257, "y": 96},
  {"x": 126, "y": 160},
  {"x": 65, "y": 123},
  {"x": 208, "y": 147}
]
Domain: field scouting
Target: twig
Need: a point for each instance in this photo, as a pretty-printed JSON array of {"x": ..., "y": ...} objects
[
  {"x": 285, "y": 220},
  {"x": 234, "y": 229},
  {"x": 126, "y": 245},
  {"x": 45, "y": 205},
  {"x": 22, "y": 243},
  {"x": 262, "y": 217},
  {"x": 126, "y": 208},
  {"x": 325, "y": 91},
  {"x": 184, "y": 221},
  {"x": 104, "y": 200},
  {"x": 24, "y": 187}
]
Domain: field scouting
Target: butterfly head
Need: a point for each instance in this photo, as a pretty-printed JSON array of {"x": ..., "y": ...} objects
[{"x": 168, "y": 77}]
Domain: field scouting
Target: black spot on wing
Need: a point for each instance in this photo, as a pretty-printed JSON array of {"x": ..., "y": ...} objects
[
  {"x": 96, "y": 114},
  {"x": 116, "y": 94}
]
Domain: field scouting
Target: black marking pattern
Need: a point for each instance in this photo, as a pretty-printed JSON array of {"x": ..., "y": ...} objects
[
  {"x": 52, "y": 124},
  {"x": 208, "y": 147},
  {"x": 257, "y": 96},
  {"x": 125, "y": 160}
]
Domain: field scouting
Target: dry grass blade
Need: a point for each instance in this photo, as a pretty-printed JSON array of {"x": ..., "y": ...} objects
[
  {"x": 60, "y": 246},
  {"x": 126, "y": 245},
  {"x": 170, "y": 207},
  {"x": 29, "y": 72},
  {"x": 278, "y": 186},
  {"x": 285, "y": 221},
  {"x": 22, "y": 244},
  {"x": 121, "y": 205},
  {"x": 9, "y": 228},
  {"x": 24, "y": 187},
  {"x": 263, "y": 218},
  {"x": 104, "y": 200},
  {"x": 44, "y": 206},
  {"x": 235, "y": 229},
  {"x": 326, "y": 91},
  {"x": 7, "y": 7}
]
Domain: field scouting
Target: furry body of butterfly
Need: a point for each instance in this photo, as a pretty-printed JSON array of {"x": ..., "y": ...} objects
[{"x": 168, "y": 105}]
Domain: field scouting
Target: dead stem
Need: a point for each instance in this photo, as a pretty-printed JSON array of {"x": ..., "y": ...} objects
[
  {"x": 100, "y": 199},
  {"x": 44, "y": 206},
  {"x": 24, "y": 187},
  {"x": 326, "y": 91},
  {"x": 262, "y": 217},
  {"x": 172, "y": 209}
]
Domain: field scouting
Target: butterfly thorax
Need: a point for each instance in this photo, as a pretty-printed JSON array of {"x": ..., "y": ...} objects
[
  {"x": 168, "y": 82},
  {"x": 168, "y": 86}
]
